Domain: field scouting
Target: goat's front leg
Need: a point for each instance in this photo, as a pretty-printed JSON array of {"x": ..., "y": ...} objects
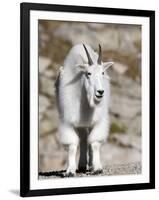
[
  {"x": 71, "y": 169},
  {"x": 97, "y": 136},
  {"x": 70, "y": 139},
  {"x": 96, "y": 162}
]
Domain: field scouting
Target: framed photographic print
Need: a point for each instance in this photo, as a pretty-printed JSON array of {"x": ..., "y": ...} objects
[{"x": 87, "y": 99}]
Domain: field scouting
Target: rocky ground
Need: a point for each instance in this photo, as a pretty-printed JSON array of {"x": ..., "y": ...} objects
[
  {"x": 109, "y": 170},
  {"x": 120, "y": 43}
]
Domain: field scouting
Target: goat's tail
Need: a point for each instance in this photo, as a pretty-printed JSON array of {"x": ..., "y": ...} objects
[{"x": 82, "y": 165}]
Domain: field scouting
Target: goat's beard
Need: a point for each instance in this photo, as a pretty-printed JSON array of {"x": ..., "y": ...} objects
[{"x": 93, "y": 102}]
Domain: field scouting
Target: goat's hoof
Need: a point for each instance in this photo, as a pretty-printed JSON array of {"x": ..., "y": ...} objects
[
  {"x": 98, "y": 171},
  {"x": 69, "y": 174}
]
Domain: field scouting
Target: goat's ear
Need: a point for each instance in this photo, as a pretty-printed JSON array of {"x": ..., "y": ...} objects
[
  {"x": 106, "y": 65},
  {"x": 83, "y": 67}
]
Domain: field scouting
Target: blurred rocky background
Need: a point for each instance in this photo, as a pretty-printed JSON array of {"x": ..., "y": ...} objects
[{"x": 121, "y": 44}]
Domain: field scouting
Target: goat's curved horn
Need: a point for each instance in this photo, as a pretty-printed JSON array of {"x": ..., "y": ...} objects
[
  {"x": 100, "y": 55},
  {"x": 90, "y": 62}
]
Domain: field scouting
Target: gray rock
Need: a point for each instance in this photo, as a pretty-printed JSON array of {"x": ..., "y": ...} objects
[
  {"x": 49, "y": 122},
  {"x": 52, "y": 115},
  {"x": 51, "y": 154},
  {"x": 124, "y": 106},
  {"x": 48, "y": 144},
  {"x": 43, "y": 63},
  {"x": 135, "y": 127},
  {"x": 49, "y": 73},
  {"x": 116, "y": 154},
  {"x": 123, "y": 85},
  {"x": 113, "y": 38},
  {"x": 46, "y": 126},
  {"x": 44, "y": 103},
  {"x": 47, "y": 86},
  {"x": 126, "y": 140},
  {"x": 120, "y": 68},
  {"x": 125, "y": 100}
]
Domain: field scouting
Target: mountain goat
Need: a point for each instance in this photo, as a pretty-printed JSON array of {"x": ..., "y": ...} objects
[{"x": 82, "y": 89}]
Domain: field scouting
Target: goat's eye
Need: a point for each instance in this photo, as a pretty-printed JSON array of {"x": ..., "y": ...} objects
[
  {"x": 103, "y": 73},
  {"x": 88, "y": 73}
]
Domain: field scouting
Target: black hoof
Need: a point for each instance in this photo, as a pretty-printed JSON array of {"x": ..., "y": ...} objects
[
  {"x": 69, "y": 174},
  {"x": 96, "y": 172}
]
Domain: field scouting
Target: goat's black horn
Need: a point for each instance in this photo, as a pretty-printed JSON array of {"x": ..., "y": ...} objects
[
  {"x": 90, "y": 62},
  {"x": 100, "y": 55}
]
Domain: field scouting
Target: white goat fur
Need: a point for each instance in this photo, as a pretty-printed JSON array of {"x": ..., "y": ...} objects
[{"x": 76, "y": 112}]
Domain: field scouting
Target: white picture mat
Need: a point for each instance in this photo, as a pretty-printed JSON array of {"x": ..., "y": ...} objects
[{"x": 35, "y": 183}]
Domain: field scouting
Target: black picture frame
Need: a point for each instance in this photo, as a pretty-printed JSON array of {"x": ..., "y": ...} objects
[{"x": 25, "y": 9}]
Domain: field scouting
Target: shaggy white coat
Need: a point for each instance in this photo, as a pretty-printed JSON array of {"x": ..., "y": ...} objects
[{"x": 77, "y": 113}]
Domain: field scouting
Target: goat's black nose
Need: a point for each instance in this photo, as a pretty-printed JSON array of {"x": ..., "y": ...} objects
[{"x": 100, "y": 91}]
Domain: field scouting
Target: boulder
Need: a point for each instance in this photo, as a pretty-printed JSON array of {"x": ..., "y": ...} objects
[
  {"x": 47, "y": 86},
  {"x": 44, "y": 103},
  {"x": 120, "y": 68},
  {"x": 43, "y": 63},
  {"x": 124, "y": 107}
]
